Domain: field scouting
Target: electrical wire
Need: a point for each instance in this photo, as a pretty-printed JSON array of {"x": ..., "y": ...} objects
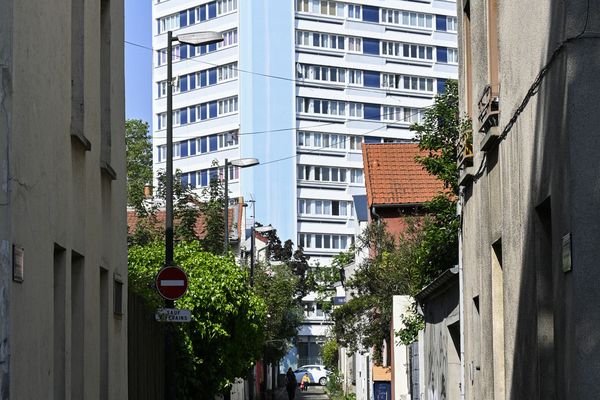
[
  {"x": 534, "y": 89},
  {"x": 420, "y": 110},
  {"x": 315, "y": 150},
  {"x": 283, "y": 78},
  {"x": 397, "y": 123}
]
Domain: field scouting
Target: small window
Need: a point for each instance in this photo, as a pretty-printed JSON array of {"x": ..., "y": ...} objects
[{"x": 118, "y": 296}]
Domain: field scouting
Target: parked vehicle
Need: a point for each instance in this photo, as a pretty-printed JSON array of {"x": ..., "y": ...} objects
[{"x": 317, "y": 373}]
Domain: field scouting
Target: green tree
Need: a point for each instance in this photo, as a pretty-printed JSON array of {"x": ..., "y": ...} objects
[
  {"x": 275, "y": 284},
  {"x": 403, "y": 265},
  {"x": 438, "y": 135},
  {"x": 185, "y": 206},
  {"x": 139, "y": 162},
  {"x": 212, "y": 208},
  {"x": 330, "y": 354},
  {"x": 226, "y": 331},
  {"x": 295, "y": 259}
]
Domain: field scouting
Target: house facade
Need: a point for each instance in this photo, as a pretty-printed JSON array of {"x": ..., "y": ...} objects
[
  {"x": 63, "y": 246},
  {"x": 529, "y": 199}
]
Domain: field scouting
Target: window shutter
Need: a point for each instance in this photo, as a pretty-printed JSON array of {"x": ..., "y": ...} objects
[
  {"x": 442, "y": 54},
  {"x": 441, "y": 85},
  {"x": 370, "y": 14},
  {"x": 370, "y": 46},
  {"x": 371, "y": 79},
  {"x": 372, "y": 112},
  {"x": 440, "y": 23}
]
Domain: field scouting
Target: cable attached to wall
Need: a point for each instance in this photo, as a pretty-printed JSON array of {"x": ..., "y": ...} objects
[{"x": 535, "y": 87}]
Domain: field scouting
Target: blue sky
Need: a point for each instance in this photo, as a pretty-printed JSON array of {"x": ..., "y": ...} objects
[{"x": 138, "y": 61}]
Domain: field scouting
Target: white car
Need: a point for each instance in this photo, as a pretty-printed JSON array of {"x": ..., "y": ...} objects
[{"x": 317, "y": 373}]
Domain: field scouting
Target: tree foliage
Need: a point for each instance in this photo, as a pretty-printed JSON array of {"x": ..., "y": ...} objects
[
  {"x": 438, "y": 134},
  {"x": 139, "y": 161},
  {"x": 295, "y": 259},
  {"x": 330, "y": 354},
  {"x": 226, "y": 331},
  {"x": 405, "y": 264},
  {"x": 212, "y": 208},
  {"x": 275, "y": 283}
]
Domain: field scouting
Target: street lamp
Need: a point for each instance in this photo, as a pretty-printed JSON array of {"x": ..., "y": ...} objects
[
  {"x": 192, "y": 39},
  {"x": 240, "y": 163}
]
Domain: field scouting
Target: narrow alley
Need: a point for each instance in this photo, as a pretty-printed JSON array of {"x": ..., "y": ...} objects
[{"x": 313, "y": 393}]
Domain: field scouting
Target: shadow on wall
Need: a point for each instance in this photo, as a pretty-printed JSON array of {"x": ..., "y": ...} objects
[{"x": 555, "y": 354}]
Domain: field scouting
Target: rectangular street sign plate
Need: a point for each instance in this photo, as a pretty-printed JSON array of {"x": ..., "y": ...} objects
[{"x": 173, "y": 315}]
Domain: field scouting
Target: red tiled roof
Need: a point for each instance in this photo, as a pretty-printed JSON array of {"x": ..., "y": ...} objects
[
  {"x": 132, "y": 219},
  {"x": 393, "y": 177}
]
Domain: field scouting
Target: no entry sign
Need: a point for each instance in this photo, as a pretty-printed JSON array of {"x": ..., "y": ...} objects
[{"x": 171, "y": 283}]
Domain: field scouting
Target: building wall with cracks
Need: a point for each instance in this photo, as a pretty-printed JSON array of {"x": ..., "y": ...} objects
[{"x": 530, "y": 199}]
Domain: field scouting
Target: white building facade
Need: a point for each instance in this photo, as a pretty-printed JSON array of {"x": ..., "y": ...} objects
[{"x": 300, "y": 85}]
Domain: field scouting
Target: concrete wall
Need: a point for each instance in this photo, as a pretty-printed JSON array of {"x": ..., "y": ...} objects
[
  {"x": 441, "y": 344},
  {"x": 400, "y": 361},
  {"x": 530, "y": 327},
  {"x": 62, "y": 74}
]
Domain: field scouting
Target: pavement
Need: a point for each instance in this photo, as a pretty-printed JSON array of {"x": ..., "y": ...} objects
[{"x": 313, "y": 393}]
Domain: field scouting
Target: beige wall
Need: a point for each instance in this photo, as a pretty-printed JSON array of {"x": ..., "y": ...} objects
[
  {"x": 533, "y": 336},
  {"x": 64, "y": 341}
]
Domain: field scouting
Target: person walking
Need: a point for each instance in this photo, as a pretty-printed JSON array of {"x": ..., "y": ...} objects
[{"x": 290, "y": 384}]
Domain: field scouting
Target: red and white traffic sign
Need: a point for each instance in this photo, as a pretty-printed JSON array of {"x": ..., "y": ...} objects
[{"x": 171, "y": 283}]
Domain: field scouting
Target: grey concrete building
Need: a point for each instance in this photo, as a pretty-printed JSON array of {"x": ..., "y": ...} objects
[
  {"x": 438, "y": 302},
  {"x": 530, "y": 199},
  {"x": 63, "y": 255}
]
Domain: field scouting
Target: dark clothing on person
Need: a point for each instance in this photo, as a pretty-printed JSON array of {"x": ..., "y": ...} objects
[{"x": 290, "y": 384}]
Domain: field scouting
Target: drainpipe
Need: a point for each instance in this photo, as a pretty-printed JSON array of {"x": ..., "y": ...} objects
[
  {"x": 461, "y": 291},
  {"x": 375, "y": 213}
]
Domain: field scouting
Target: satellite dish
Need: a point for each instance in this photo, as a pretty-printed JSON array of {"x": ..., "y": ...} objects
[
  {"x": 299, "y": 69},
  {"x": 176, "y": 82}
]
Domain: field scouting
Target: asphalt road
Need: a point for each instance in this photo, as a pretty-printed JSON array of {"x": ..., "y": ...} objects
[{"x": 313, "y": 393}]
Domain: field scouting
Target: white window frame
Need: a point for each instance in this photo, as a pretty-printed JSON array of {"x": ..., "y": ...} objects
[
  {"x": 227, "y": 106},
  {"x": 226, "y": 7},
  {"x": 355, "y": 110},
  {"x": 168, "y": 23},
  {"x": 397, "y": 49},
  {"x": 355, "y": 77},
  {"x": 162, "y": 121},
  {"x": 451, "y": 24},
  {"x": 354, "y": 11},
  {"x": 230, "y": 38},
  {"x": 303, "y": 5},
  {"x": 227, "y": 72},
  {"x": 354, "y": 44},
  {"x": 452, "y": 56}
]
